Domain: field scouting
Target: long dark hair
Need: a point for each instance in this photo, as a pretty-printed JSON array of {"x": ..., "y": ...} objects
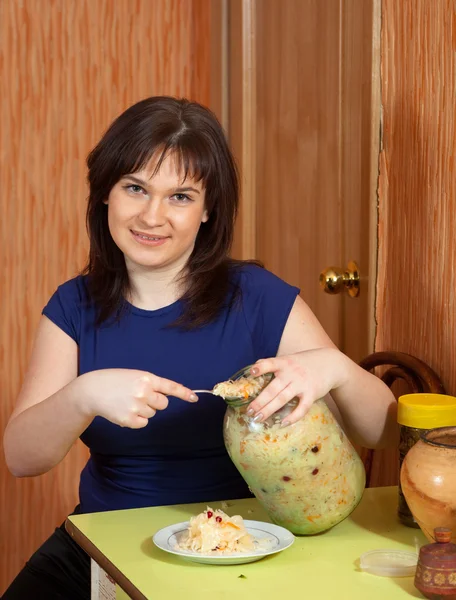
[{"x": 193, "y": 134}]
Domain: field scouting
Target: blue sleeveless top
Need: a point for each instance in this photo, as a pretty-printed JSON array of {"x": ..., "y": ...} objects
[{"x": 179, "y": 457}]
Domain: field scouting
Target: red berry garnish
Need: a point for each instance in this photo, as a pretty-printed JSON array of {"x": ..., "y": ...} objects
[
  {"x": 286, "y": 478},
  {"x": 209, "y": 514},
  {"x": 218, "y": 519},
  {"x": 315, "y": 471}
]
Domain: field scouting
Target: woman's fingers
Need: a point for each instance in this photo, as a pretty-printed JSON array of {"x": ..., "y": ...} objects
[
  {"x": 157, "y": 401},
  {"x": 275, "y": 404},
  {"x": 171, "y": 388},
  {"x": 271, "y": 391},
  {"x": 136, "y": 422},
  {"x": 146, "y": 411},
  {"x": 298, "y": 413},
  {"x": 290, "y": 382},
  {"x": 265, "y": 365},
  {"x": 150, "y": 384}
]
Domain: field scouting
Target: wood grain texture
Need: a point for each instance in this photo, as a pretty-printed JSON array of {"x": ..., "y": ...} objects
[
  {"x": 242, "y": 118},
  {"x": 66, "y": 70},
  {"x": 298, "y": 193},
  {"x": 308, "y": 173},
  {"x": 219, "y": 84},
  {"x": 416, "y": 307},
  {"x": 360, "y": 141}
]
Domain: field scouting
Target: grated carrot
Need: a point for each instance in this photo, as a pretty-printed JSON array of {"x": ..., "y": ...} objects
[{"x": 312, "y": 517}]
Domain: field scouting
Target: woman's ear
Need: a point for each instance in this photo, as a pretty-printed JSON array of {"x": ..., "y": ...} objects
[{"x": 205, "y": 217}]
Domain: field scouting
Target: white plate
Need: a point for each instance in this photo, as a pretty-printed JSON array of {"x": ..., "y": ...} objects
[{"x": 167, "y": 539}]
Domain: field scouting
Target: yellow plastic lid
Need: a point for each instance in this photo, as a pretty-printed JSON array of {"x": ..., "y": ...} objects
[{"x": 426, "y": 411}]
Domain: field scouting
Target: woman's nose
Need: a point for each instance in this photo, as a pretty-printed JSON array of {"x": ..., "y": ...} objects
[{"x": 153, "y": 213}]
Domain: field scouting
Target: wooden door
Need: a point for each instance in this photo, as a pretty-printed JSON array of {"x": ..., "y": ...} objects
[
  {"x": 302, "y": 110},
  {"x": 303, "y": 115}
]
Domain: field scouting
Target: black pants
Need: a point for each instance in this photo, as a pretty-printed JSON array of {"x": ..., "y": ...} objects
[{"x": 59, "y": 570}]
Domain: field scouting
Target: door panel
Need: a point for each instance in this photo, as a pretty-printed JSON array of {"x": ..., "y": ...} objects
[
  {"x": 304, "y": 123},
  {"x": 298, "y": 203}
]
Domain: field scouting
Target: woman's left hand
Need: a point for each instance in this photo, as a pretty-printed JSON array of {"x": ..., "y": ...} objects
[{"x": 307, "y": 375}]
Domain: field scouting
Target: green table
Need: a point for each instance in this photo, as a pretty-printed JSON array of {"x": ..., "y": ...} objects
[{"x": 323, "y": 566}]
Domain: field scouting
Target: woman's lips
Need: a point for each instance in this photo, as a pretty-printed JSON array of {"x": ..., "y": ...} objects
[{"x": 147, "y": 239}]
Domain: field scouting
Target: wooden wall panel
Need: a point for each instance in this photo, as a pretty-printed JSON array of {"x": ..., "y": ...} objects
[
  {"x": 66, "y": 69},
  {"x": 416, "y": 306}
]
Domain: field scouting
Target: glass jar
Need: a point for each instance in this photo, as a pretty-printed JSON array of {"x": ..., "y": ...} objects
[
  {"x": 417, "y": 414},
  {"x": 307, "y": 476}
]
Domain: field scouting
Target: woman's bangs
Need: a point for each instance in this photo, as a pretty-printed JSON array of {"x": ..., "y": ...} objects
[{"x": 192, "y": 159}]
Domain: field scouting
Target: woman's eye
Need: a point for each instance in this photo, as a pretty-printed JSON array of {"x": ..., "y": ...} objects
[
  {"x": 181, "y": 198},
  {"x": 134, "y": 189}
]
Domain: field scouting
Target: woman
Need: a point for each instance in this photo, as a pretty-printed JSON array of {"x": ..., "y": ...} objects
[{"x": 159, "y": 311}]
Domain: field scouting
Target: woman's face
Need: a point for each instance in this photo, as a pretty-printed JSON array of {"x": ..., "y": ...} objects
[{"x": 154, "y": 220}]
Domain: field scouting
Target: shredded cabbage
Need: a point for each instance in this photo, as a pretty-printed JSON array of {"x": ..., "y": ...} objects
[
  {"x": 214, "y": 532},
  {"x": 244, "y": 387}
]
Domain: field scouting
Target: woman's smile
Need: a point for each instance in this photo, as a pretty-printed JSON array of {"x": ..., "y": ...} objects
[{"x": 148, "y": 239}]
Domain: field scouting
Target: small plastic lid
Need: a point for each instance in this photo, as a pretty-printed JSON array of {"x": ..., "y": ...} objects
[
  {"x": 426, "y": 411},
  {"x": 389, "y": 563}
]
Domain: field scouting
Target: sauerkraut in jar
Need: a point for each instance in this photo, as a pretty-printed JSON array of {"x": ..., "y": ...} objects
[{"x": 307, "y": 476}]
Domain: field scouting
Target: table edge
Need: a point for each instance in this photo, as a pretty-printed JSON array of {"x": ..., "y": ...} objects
[{"x": 83, "y": 541}]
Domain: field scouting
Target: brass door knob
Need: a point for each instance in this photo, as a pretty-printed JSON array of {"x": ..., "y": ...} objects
[{"x": 334, "y": 280}]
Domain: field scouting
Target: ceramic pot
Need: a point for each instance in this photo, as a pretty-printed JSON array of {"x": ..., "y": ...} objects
[
  {"x": 428, "y": 481},
  {"x": 435, "y": 574}
]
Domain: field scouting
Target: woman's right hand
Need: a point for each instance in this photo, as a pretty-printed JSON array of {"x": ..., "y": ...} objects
[{"x": 127, "y": 397}]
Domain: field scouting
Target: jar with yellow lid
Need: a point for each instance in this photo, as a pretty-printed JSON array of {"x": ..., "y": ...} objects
[{"x": 416, "y": 414}]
